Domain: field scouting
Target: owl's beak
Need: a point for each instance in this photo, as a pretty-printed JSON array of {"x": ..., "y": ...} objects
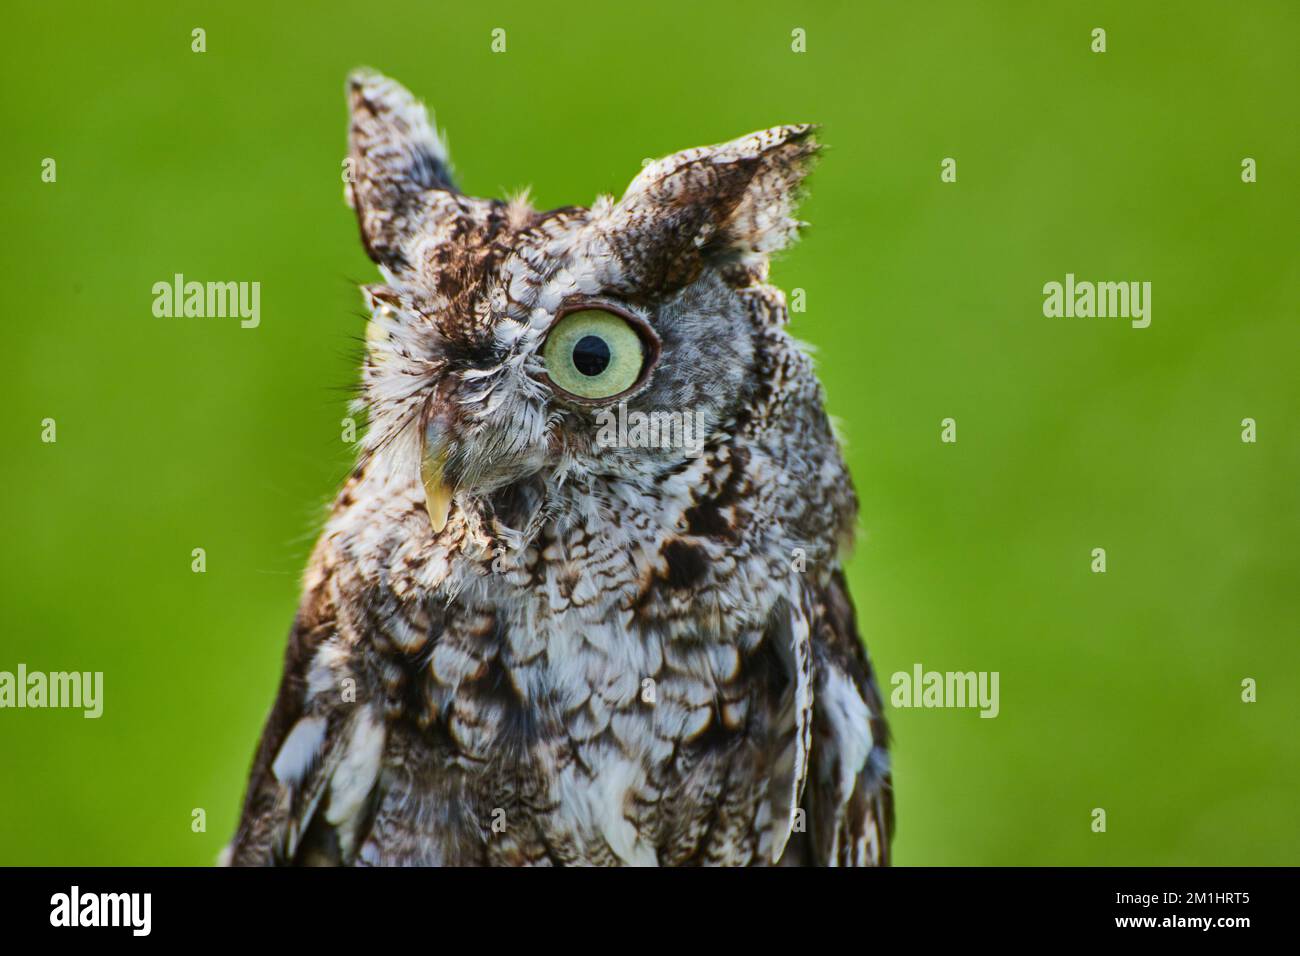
[{"x": 437, "y": 489}]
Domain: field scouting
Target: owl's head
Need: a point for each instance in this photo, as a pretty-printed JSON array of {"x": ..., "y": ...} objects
[{"x": 506, "y": 344}]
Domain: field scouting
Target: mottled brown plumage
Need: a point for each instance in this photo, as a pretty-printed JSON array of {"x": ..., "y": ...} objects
[{"x": 523, "y": 643}]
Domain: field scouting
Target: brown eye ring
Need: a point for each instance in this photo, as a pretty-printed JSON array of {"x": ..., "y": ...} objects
[{"x": 597, "y": 352}]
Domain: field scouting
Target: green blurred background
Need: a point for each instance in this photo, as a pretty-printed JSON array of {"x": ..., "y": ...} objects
[{"x": 1119, "y": 690}]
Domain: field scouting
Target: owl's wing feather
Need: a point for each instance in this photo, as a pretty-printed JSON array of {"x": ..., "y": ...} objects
[
  {"x": 792, "y": 642},
  {"x": 849, "y": 796},
  {"x": 318, "y": 762}
]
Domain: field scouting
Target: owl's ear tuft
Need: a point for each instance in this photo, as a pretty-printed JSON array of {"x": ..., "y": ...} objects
[
  {"x": 397, "y": 165},
  {"x": 733, "y": 201}
]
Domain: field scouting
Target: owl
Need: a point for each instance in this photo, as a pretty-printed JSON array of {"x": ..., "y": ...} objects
[{"x": 580, "y": 602}]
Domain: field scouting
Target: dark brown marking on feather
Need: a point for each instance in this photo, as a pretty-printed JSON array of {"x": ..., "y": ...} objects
[
  {"x": 706, "y": 519},
  {"x": 687, "y": 564},
  {"x": 716, "y": 735},
  {"x": 716, "y": 516}
]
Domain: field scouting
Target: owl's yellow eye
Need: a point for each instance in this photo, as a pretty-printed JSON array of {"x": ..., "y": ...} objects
[{"x": 593, "y": 354}]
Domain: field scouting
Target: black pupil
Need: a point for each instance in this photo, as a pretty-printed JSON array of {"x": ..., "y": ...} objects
[{"x": 591, "y": 355}]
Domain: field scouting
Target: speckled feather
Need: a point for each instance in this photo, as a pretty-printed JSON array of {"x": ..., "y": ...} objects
[{"x": 479, "y": 695}]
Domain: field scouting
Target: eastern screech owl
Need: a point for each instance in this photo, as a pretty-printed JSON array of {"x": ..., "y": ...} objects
[{"x": 520, "y": 643}]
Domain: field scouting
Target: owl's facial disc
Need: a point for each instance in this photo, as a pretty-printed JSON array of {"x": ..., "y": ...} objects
[
  {"x": 594, "y": 353},
  {"x": 469, "y": 284}
]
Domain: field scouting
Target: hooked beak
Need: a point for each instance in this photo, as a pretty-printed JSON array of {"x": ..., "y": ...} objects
[{"x": 438, "y": 490}]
